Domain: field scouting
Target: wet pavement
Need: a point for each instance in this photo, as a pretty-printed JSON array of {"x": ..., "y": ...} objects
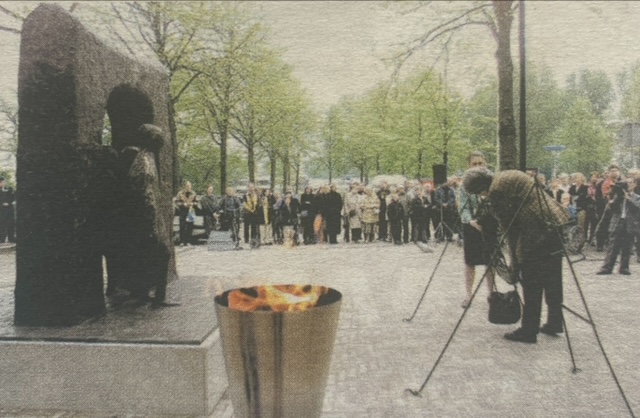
[{"x": 377, "y": 356}]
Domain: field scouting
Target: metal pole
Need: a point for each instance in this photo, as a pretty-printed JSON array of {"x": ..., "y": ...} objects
[{"x": 523, "y": 90}]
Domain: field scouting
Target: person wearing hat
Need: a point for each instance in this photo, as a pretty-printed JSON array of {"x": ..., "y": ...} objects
[{"x": 7, "y": 221}]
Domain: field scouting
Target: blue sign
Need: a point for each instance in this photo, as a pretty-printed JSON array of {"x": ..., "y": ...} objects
[{"x": 555, "y": 148}]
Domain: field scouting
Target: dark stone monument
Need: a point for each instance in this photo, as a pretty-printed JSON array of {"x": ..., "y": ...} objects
[{"x": 71, "y": 211}]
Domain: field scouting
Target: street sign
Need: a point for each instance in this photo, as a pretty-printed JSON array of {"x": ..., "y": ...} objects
[{"x": 555, "y": 148}]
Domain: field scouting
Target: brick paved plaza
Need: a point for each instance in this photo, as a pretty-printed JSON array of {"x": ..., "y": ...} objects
[{"x": 377, "y": 355}]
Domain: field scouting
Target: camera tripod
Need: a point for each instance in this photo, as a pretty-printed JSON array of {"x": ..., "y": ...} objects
[
  {"x": 441, "y": 230},
  {"x": 545, "y": 209}
]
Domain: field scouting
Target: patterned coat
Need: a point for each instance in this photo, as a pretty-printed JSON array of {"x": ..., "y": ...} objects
[
  {"x": 353, "y": 209},
  {"x": 532, "y": 217},
  {"x": 371, "y": 209}
]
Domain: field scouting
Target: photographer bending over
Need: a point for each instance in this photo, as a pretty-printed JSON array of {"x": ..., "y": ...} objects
[{"x": 532, "y": 219}]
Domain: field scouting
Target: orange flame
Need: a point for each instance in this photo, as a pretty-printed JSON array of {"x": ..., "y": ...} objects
[{"x": 277, "y": 298}]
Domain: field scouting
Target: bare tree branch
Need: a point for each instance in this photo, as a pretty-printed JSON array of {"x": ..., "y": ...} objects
[
  {"x": 125, "y": 23},
  {"x": 185, "y": 86},
  {"x": 8, "y": 29},
  {"x": 11, "y": 13},
  {"x": 436, "y": 33},
  {"x": 179, "y": 55}
]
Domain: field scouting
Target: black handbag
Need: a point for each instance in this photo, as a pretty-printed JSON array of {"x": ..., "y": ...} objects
[{"x": 504, "y": 308}]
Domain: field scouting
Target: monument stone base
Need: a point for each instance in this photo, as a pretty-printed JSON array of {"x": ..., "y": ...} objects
[{"x": 135, "y": 360}]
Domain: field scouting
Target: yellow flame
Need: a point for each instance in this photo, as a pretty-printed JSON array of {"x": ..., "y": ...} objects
[{"x": 277, "y": 298}]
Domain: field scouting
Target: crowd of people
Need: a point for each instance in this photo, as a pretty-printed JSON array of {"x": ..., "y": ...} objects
[
  {"x": 605, "y": 208},
  {"x": 410, "y": 212},
  {"x": 415, "y": 211}
]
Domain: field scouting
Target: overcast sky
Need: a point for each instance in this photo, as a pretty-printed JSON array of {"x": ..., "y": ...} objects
[{"x": 336, "y": 47}]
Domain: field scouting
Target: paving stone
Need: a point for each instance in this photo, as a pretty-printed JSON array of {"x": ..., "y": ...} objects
[{"x": 377, "y": 355}]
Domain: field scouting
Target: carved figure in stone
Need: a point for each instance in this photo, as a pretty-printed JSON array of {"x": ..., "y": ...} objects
[{"x": 145, "y": 248}]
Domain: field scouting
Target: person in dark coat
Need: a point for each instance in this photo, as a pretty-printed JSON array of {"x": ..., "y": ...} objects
[
  {"x": 382, "y": 216},
  {"x": 624, "y": 225},
  {"x": 208, "y": 204},
  {"x": 603, "y": 195},
  {"x": 332, "y": 211},
  {"x": 531, "y": 219},
  {"x": 404, "y": 200},
  {"x": 250, "y": 214},
  {"x": 308, "y": 212},
  {"x": 395, "y": 213},
  {"x": 7, "y": 220},
  {"x": 228, "y": 212}
]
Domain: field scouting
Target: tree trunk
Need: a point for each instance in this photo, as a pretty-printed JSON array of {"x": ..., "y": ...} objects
[
  {"x": 419, "y": 173},
  {"x": 251, "y": 161},
  {"x": 297, "y": 176},
  {"x": 175, "y": 181},
  {"x": 223, "y": 161},
  {"x": 285, "y": 173},
  {"x": 507, "y": 150},
  {"x": 272, "y": 163}
]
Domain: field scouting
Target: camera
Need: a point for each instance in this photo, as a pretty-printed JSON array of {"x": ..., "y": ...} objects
[{"x": 622, "y": 186}]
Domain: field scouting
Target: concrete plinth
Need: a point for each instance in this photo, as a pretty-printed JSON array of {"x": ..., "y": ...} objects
[
  {"x": 135, "y": 360},
  {"x": 151, "y": 379}
]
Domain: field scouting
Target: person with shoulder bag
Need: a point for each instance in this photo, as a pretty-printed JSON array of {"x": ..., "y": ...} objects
[{"x": 186, "y": 201}]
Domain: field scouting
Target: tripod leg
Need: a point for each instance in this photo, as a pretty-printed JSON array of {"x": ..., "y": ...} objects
[
  {"x": 433, "y": 273},
  {"x": 566, "y": 332},
  {"x": 453, "y": 333}
]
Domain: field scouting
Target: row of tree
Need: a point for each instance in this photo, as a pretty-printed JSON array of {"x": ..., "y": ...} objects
[{"x": 420, "y": 121}]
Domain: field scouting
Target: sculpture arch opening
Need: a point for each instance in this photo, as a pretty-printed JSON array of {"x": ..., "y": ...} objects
[{"x": 127, "y": 108}]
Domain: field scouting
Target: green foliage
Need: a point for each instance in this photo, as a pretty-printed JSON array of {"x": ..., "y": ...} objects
[
  {"x": 399, "y": 129},
  {"x": 588, "y": 140},
  {"x": 8, "y": 177},
  {"x": 629, "y": 84},
  {"x": 595, "y": 86},
  {"x": 8, "y": 126},
  {"x": 547, "y": 106},
  {"x": 480, "y": 114}
]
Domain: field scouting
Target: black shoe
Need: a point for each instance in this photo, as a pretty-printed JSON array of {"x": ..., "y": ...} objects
[
  {"x": 551, "y": 330},
  {"x": 163, "y": 304},
  {"x": 603, "y": 271},
  {"x": 521, "y": 336},
  {"x": 626, "y": 272}
]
